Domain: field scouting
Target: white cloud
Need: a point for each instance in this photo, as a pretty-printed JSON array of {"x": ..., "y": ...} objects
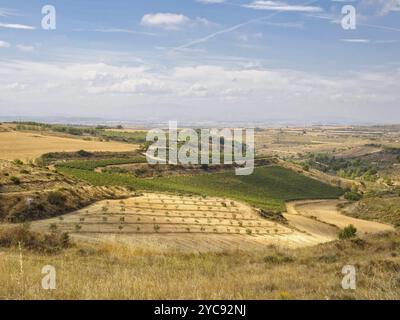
[
  {"x": 203, "y": 22},
  {"x": 25, "y": 48},
  {"x": 204, "y": 88},
  {"x": 4, "y": 44},
  {"x": 245, "y": 37},
  {"x": 115, "y": 30},
  {"x": 356, "y": 40},
  {"x": 16, "y": 26},
  {"x": 164, "y": 20},
  {"x": 281, "y": 6},
  {"x": 382, "y": 7},
  {"x": 7, "y": 12},
  {"x": 16, "y": 86},
  {"x": 173, "y": 21},
  {"x": 210, "y": 1}
]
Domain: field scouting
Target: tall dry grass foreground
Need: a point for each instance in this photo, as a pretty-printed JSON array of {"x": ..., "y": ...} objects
[{"x": 107, "y": 271}]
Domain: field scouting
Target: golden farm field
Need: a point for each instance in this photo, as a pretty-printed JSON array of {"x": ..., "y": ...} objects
[
  {"x": 177, "y": 222},
  {"x": 28, "y": 146}
]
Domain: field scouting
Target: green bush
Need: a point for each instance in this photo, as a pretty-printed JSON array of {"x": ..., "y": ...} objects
[
  {"x": 352, "y": 196},
  {"x": 56, "y": 198},
  {"x": 17, "y": 162},
  {"x": 15, "y": 180},
  {"x": 348, "y": 232}
]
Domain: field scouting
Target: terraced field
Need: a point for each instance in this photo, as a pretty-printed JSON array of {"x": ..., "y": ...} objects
[{"x": 178, "y": 222}]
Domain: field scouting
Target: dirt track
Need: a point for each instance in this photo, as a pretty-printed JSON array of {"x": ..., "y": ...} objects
[{"x": 323, "y": 219}]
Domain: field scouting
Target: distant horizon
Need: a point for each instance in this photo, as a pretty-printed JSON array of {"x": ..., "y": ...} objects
[{"x": 272, "y": 123}]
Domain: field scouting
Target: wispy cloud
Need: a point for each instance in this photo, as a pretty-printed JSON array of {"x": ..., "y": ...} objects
[
  {"x": 336, "y": 19},
  {"x": 370, "y": 41},
  {"x": 16, "y": 26},
  {"x": 4, "y": 44},
  {"x": 281, "y": 6},
  {"x": 296, "y": 25},
  {"x": 233, "y": 28},
  {"x": 25, "y": 48},
  {"x": 116, "y": 30},
  {"x": 210, "y": 1},
  {"x": 382, "y": 7},
  {"x": 7, "y": 12},
  {"x": 246, "y": 37},
  {"x": 356, "y": 40}
]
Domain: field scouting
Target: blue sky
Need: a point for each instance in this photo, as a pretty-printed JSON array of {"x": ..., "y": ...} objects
[{"x": 201, "y": 60}]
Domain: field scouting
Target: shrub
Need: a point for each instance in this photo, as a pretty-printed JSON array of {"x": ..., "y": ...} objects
[
  {"x": 348, "y": 232},
  {"x": 83, "y": 153},
  {"x": 328, "y": 258},
  {"x": 278, "y": 259},
  {"x": 56, "y": 198},
  {"x": 352, "y": 196},
  {"x": 15, "y": 180},
  {"x": 53, "y": 228},
  {"x": 46, "y": 243},
  {"x": 17, "y": 162}
]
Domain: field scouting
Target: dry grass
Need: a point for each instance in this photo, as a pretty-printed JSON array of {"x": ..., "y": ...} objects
[
  {"x": 385, "y": 210},
  {"x": 122, "y": 272},
  {"x": 28, "y": 146}
]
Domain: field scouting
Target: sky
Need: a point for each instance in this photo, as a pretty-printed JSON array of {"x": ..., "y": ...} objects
[{"x": 202, "y": 60}]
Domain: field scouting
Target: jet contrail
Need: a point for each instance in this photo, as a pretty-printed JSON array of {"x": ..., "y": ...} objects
[{"x": 233, "y": 28}]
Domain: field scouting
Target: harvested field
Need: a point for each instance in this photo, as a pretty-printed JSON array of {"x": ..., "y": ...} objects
[{"x": 28, "y": 146}]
